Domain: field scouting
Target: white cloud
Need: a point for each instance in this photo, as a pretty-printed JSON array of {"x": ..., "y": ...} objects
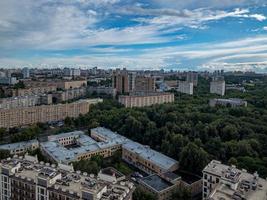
[{"x": 265, "y": 28}]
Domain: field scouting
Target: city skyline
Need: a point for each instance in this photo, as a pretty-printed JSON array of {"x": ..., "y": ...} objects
[{"x": 211, "y": 35}]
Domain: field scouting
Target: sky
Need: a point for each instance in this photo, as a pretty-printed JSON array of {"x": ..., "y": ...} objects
[{"x": 145, "y": 34}]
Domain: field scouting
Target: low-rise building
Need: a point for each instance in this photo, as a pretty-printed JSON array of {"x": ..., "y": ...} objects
[
  {"x": 232, "y": 102},
  {"x": 185, "y": 87},
  {"x": 227, "y": 182},
  {"x": 74, "y": 146},
  {"x": 217, "y": 87},
  {"x": 26, "y": 178},
  {"x": 46, "y": 113},
  {"x": 65, "y": 85},
  {"x": 161, "y": 188},
  {"x": 20, "y": 147},
  {"x": 147, "y": 159},
  {"x": 142, "y": 100}
]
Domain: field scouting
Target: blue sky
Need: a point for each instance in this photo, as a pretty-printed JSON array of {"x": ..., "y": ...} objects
[{"x": 145, "y": 34}]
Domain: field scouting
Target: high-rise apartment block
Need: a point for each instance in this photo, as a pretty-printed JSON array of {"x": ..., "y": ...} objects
[
  {"x": 192, "y": 77},
  {"x": 217, "y": 87},
  {"x": 145, "y": 84},
  {"x": 143, "y": 99},
  {"x": 26, "y": 72},
  {"x": 185, "y": 87},
  {"x": 45, "y": 113},
  {"x": 27, "y": 179},
  {"x": 227, "y": 182},
  {"x": 123, "y": 81}
]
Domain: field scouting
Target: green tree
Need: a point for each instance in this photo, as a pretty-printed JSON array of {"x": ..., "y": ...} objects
[
  {"x": 193, "y": 158},
  {"x": 140, "y": 194}
]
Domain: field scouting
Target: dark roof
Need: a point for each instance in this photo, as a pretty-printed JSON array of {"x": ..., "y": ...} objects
[
  {"x": 156, "y": 182},
  {"x": 171, "y": 176},
  {"x": 188, "y": 178}
]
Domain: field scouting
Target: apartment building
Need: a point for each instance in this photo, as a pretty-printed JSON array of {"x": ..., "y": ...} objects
[
  {"x": 185, "y": 87},
  {"x": 8, "y": 80},
  {"x": 25, "y": 101},
  {"x": 141, "y": 100},
  {"x": 227, "y": 182},
  {"x": 19, "y": 148},
  {"x": 192, "y": 77},
  {"x": 232, "y": 102},
  {"x": 46, "y": 113},
  {"x": 33, "y": 91},
  {"x": 145, "y": 84},
  {"x": 217, "y": 87},
  {"x": 102, "y": 90},
  {"x": 123, "y": 81},
  {"x": 27, "y": 179},
  {"x": 73, "y": 146},
  {"x": 65, "y": 85},
  {"x": 70, "y": 94}
]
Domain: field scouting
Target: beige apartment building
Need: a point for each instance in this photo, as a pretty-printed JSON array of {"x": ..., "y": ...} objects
[
  {"x": 33, "y": 91},
  {"x": 65, "y": 85},
  {"x": 145, "y": 84},
  {"x": 45, "y": 113},
  {"x": 136, "y": 100}
]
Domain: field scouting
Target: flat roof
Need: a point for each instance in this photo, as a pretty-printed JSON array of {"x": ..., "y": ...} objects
[
  {"x": 18, "y": 145},
  {"x": 156, "y": 182},
  {"x": 147, "y": 153}
]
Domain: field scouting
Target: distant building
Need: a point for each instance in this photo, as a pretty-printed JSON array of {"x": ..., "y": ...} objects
[
  {"x": 27, "y": 178},
  {"x": 228, "y": 102},
  {"x": 69, "y": 94},
  {"x": 46, "y": 113},
  {"x": 217, "y": 87},
  {"x": 25, "y": 101},
  {"x": 102, "y": 90},
  {"x": 72, "y": 72},
  {"x": 227, "y": 182},
  {"x": 145, "y": 84},
  {"x": 8, "y": 80},
  {"x": 26, "y": 73},
  {"x": 142, "y": 100},
  {"x": 235, "y": 87},
  {"x": 65, "y": 85},
  {"x": 185, "y": 87},
  {"x": 33, "y": 91},
  {"x": 123, "y": 81},
  {"x": 192, "y": 77}
]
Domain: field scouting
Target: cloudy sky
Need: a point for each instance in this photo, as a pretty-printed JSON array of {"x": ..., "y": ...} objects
[{"x": 145, "y": 34}]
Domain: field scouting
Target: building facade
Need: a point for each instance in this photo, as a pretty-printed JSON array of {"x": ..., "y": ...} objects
[
  {"x": 33, "y": 91},
  {"x": 142, "y": 100},
  {"x": 217, "y": 87},
  {"x": 45, "y": 113},
  {"x": 145, "y": 84},
  {"x": 25, "y": 101},
  {"x": 27, "y": 179},
  {"x": 185, "y": 87}
]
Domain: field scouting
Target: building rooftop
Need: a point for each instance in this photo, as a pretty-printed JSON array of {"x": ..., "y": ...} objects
[
  {"x": 235, "y": 183},
  {"x": 156, "y": 183},
  {"x": 68, "y": 181},
  {"x": 18, "y": 145},
  {"x": 147, "y": 153}
]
